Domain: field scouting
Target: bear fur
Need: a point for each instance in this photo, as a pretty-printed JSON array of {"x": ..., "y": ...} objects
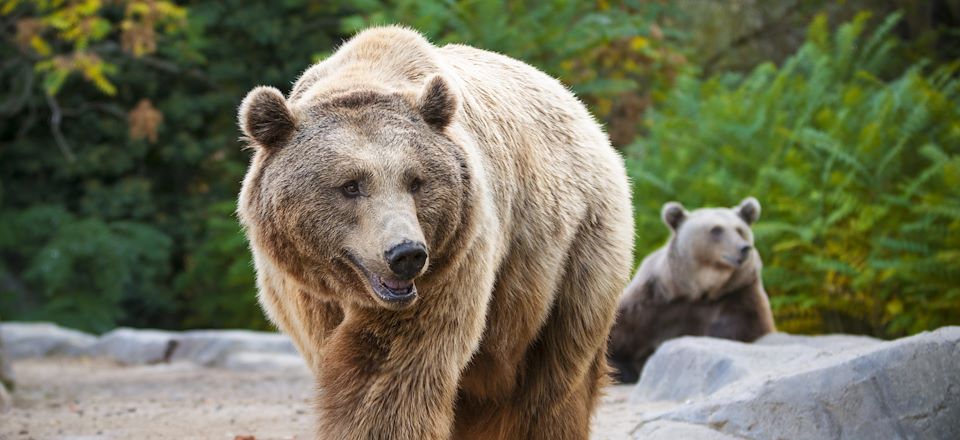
[
  {"x": 704, "y": 282},
  {"x": 506, "y": 190}
]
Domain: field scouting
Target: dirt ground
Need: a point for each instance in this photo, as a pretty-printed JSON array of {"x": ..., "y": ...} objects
[{"x": 87, "y": 399}]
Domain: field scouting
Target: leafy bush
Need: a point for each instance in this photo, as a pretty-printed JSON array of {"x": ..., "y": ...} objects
[
  {"x": 87, "y": 272},
  {"x": 859, "y": 177},
  {"x": 218, "y": 283},
  {"x": 116, "y": 190},
  {"x": 619, "y": 57}
]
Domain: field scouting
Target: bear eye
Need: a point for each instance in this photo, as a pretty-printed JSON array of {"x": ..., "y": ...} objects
[
  {"x": 742, "y": 233},
  {"x": 415, "y": 185},
  {"x": 351, "y": 189},
  {"x": 716, "y": 231}
]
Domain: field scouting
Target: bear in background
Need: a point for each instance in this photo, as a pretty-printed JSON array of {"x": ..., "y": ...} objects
[
  {"x": 444, "y": 233},
  {"x": 704, "y": 282}
]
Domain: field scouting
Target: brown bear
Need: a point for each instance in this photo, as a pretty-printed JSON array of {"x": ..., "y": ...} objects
[
  {"x": 444, "y": 233},
  {"x": 704, "y": 282}
]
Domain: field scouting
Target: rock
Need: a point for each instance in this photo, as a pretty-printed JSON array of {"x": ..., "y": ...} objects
[
  {"x": 202, "y": 347},
  {"x": 260, "y": 361},
  {"x": 31, "y": 340},
  {"x": 720, "y": 362},
  {"x": 6, "y": 374},
  {"x": 667, "y": 430},
  {"x": 6, "y": 379},
  {"x": 5, "y": 401},
  {"x": 136, "y": 347},
  {"x": 214, "y": 347},
  {"x": 828, "y": 343},
  {"x": 821, "y": 387}
]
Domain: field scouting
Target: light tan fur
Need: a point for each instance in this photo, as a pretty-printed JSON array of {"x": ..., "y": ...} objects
[
  {"x": 704, "y": 281},
  {"x": 524, "y": 210}
]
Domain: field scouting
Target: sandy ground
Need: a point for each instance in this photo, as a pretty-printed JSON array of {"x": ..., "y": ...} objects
[{"x": 86, "y": 399}]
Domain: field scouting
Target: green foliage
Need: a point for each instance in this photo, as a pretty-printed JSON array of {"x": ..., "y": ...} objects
[
  {"x": 121, "y": 212},
  {"x": 86, "y": 272},
  {"x": 859, "y": 178},
  {"x": 617, "y": 56},
  {"x": 60, "y": 34},
  {"x": 217, "y": 282},
  {"x": 120, "y": 161}
]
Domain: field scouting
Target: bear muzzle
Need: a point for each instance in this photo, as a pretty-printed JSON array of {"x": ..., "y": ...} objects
[
  {"x": 406, "y": 259},
  {"x": 396, "y": 290},
  {"x": 742, "y": 256}
]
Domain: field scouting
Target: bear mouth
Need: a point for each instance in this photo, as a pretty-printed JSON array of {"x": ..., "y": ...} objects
[
  {"x": 392, "y": 291},
  {"x": 734, "y": 262}
]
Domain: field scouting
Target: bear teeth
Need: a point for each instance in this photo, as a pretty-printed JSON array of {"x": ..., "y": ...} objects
[{"x": 395, "y": 285}]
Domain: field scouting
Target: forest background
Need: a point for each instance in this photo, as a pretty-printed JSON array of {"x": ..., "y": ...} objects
[{"x": 120, "y": 158}]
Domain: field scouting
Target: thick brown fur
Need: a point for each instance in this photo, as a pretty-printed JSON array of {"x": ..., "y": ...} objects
[
  {"x": 524, "y": 210},
  {"x": 704, "y": 282}
]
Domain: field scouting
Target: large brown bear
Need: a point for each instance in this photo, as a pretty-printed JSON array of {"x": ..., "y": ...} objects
[
  {"x": 444, "y": 232},
  {"x": 704, "y": 282}
]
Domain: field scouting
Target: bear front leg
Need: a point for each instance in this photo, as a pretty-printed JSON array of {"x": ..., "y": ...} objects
[
  {"x": 745, "y": 315},
  {"x": 387, "y": 377},
  {"x": 567, "y": 366}
]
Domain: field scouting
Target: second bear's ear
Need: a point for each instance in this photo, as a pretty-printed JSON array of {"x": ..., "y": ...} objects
[
  {"x": 265, "y": 118},
  {"x": 437, "y": 104},
  {"x": 673, "y": 214},
  {"x": 749, "y": 210}
]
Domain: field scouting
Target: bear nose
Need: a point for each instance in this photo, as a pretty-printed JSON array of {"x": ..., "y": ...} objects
[
  {"x": 406, "y": 259},
  {"x": 745, "y": 249}
]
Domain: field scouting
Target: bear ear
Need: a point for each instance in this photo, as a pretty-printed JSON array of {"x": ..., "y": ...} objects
[
  {"x": 265, "y": 118},
  {"x": 749, "y": 210},
  {"x": 673, "y": 214},
  {"x": 437, "y": 103}
]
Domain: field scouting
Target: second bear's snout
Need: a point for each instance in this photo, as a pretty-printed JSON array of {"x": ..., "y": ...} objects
[{"x": 406, "y": 259}]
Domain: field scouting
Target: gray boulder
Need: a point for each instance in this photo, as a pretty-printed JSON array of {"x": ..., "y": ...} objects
[
  {"x": 214, "y": 347},
  {"x": 669, "y": 430},
  {"x": 31, "y": 340},
  {"x": 6, "y": 402},
  {"x": 136, "y": 347},
  {"x": 821, "y": 387},
  {"x": 265, "y": 361},
  {"x": 6, "y": 379}
]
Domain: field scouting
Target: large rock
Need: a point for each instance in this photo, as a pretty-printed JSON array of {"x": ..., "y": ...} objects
[
  {"x": 136, "y": 347},
  {"x": 30, "y": 340},
  {"x": 669, "y": 430},
  {"x": 6, "y": 402},
  {"x": 791, "y": 387},
  {"x": 265, "y": 361},
  {"x": 214, "y": 347},
  {"x": 237, "y": 349},
  {"x": 6, "y": 379}
]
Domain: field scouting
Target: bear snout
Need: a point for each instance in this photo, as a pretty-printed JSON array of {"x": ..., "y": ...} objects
[{"x": 406, "y": 259}]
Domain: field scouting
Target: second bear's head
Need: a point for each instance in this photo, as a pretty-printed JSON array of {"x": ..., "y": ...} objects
[
  {"x": 718, "y": 239},
  {"x": 357, "y": 194}
]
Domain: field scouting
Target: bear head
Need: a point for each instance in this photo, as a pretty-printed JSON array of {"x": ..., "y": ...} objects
[
  {"x": 355, "y": 194},
  {"x": 711, "y": 245}
]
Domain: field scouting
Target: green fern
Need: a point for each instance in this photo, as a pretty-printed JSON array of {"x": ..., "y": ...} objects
[{"x": 858, "y": 177}]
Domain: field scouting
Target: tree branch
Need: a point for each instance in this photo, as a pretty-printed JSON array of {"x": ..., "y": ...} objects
[
  {"x": 16, "y": 102},
  {"x": 102, "y": 107},
  {"x": 55, "y": 118}
]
